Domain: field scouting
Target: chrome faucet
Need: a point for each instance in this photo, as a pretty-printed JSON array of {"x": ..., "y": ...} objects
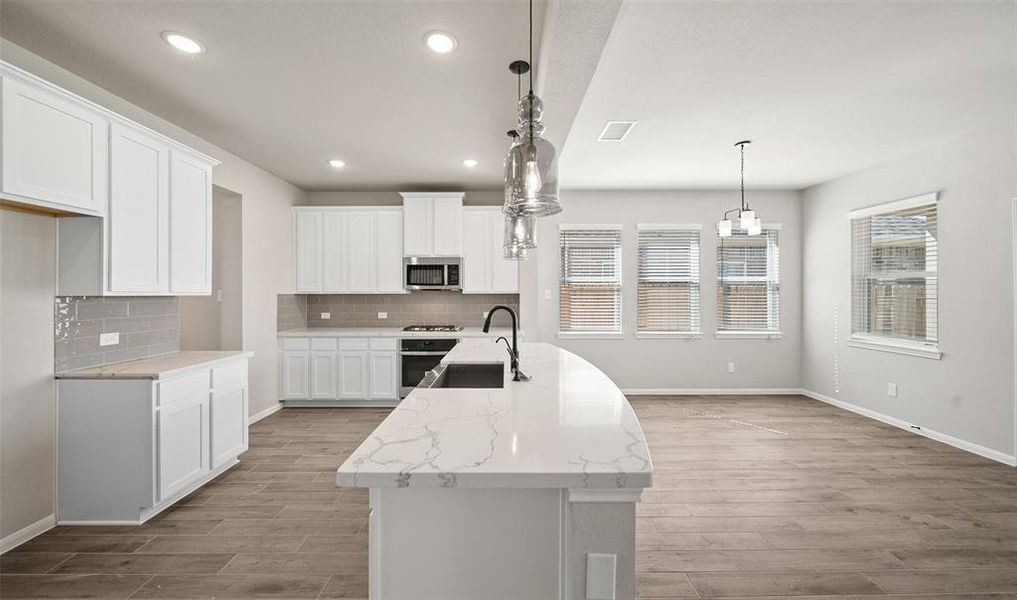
[{"x": 513, "y": 350}]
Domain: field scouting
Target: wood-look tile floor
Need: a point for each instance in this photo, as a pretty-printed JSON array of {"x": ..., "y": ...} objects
[{"x": 754, "y": 496}]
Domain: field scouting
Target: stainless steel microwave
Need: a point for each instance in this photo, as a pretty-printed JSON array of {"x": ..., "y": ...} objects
[{"x": 431, "y": 273}]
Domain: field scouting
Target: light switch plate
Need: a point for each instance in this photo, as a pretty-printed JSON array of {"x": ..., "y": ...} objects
[
  {"x": 383, "y": 315},
  {"x": 600, "y": 576},
  {"x": 547, "y": 294},
  {"x": 109, "y": 339},
  {"x": 730, "y": 367},
  {"x": 326, "y": 315},
  {"x": 891, "y": 390}
]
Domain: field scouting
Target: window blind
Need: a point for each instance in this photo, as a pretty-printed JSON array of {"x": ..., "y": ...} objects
[
  {"x": 668, "y": 279},
  {"x": 748, "y": 282},
  {"x": 894, "y": 282},
  {"x": 590, "y": 279}
]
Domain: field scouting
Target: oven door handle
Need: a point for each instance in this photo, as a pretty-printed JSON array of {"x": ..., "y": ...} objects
[{"x": 436, "y": 353}]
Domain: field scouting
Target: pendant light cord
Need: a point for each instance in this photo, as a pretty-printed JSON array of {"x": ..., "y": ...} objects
[
  {"x": 532, "y": 68},
  {"x": 742, "y": 146}
]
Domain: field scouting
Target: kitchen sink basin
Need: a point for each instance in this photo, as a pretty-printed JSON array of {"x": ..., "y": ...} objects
[{"x": 465, "y": 375}]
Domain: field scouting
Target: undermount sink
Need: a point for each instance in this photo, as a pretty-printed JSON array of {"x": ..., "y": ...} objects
[{"x": 465, "y": 375}]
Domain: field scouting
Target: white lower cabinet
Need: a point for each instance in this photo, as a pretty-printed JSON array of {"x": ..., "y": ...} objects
[
  {"x": 339, "y": 370},
  {"x": 129, "y": 448},
  {"x": 183, "y": 444}
]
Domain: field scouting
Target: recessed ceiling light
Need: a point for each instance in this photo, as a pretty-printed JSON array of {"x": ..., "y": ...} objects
[
  {"x": 336, "y": 163},
  {"x": 183, "y": 43},
  {"x": 470, "y": 163},
  {"x": 440, "y": 42}
]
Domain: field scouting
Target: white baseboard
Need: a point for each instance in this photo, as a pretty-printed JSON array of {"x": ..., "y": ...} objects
[
  {"x": 965, "y": 445},
  {"x": 23, "y": 535},
  {"x": 711, "y": 391},
  {"x": 265, "y": 413}
]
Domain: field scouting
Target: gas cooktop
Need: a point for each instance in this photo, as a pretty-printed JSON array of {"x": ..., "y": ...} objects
[{"x": 433, "y": 328}]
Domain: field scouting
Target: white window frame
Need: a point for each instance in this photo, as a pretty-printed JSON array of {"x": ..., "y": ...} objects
[
  {"x": 751, "y": 335},
  {"x": 880, "y": 343},
  {"x": 596, "y": 335},
  {"x": 696, "y": 334}
]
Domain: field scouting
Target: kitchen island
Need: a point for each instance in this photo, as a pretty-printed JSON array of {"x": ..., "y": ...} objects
[{"x": 522, "y": 491}]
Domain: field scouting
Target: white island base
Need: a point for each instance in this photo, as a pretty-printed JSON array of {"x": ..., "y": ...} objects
[
  {"x": 462, "y": 543},
  {"x": 523, "y": 492}
]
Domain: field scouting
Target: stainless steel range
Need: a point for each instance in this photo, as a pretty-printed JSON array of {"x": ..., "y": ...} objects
[{"x": 419, "y": 355}]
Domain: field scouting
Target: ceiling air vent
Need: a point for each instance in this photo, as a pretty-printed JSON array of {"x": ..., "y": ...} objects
[{"x": 615, "y": 131}]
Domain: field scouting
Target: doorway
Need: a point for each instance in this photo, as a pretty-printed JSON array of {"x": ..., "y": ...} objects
[{"x": 215, "y": 322}]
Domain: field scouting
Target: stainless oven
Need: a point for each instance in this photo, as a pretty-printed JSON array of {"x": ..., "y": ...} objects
[
  {"x": 431, "y": 273},
  {"x": 418, "y": 356}
]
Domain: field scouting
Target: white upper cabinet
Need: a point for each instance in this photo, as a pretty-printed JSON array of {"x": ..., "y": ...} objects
[
  {"x": 190, "y": 224},
  {"x": 363, "y": 249},
  {"x": 335, "y": 232},
  {"x": 349, "y": 250},
  {"x": 307, "y": 235},
  {"x": 145, "y": 199},
  {"x": 55, "y": 149},
  {"x": 433, "y": 224},
  {"x": 485, "y": 270},
  {"x": 138, "y": 219},
  {"x": 390, "y": 251}
]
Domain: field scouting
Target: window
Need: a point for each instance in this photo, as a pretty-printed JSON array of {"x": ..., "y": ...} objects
[
  {"x": 668, "y": 279},
  {"x": 748, "y": 283},
  {"x": 590, "y": 279},
  {"x": 894, "y": 283}
]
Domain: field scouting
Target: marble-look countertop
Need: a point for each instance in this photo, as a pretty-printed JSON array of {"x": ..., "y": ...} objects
[
  {"x": 158, "y": 367},
  {"x": 568, "y": 427},
  {"x": 397, "y": 332}
]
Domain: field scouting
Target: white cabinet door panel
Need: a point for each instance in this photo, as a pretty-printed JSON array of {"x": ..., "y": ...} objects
[
  {"x": 448, "y": 226},
  {"x": 353, "y": 375},
  {"x": 307, "y": 230},
  {"x": 229, "y": 424},
  {"x": 504, "y": 272},
  {"x": 296, "y": 375},
  {"x": 363, "y": 251},
  {"x": 183, "y": 444},
  {"x": 323, "y": 375},
  {"x": 418, "y": 227},
  {"x": 390, "y": 252},
  {"x": 384, "y": 375},
  {"x": 138, "y": 213},
  {"x": 476, "y": 251},
  {"x": 54, "y": 149},
  {"x": 190, "y": 224},
  {"x": 336, "y": 259}
]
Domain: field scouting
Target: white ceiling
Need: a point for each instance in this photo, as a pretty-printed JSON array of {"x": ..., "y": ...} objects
[
  {"x": 822, "y": 89},
  {"x": 288, "y": 85}
]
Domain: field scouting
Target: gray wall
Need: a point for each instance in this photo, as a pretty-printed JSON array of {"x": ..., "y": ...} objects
[
  {"x": 27, "y": 417},
  {"x": 392, "y": 198},
  {"x": 148, "y": 326},
  {"x": 969, "y": 394},
  {"x": 673, "y": 363}
]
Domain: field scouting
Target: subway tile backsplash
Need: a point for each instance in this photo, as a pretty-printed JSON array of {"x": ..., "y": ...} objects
[
  {"x": 418, "y": 308},
  {"x": 148, "y": 326}
]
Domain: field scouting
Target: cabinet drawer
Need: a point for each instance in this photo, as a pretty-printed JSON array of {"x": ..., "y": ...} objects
[
  {"x": 296, "y": 343},
  {"x": 353, "y": 343},
  {"x": 173, "y": 390},
  {"x": 384, "y": 343},
  {"x": 231, "y": 373},
  {"x": 324, "y": 343}
]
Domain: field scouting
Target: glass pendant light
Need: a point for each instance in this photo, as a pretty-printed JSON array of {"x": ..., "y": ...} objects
[
  {"x": 531, "y": 167},
  {"x": 521, "y": 231},
  {"x": 514, "y": 253},
  {"x": 747, "y": 219}
]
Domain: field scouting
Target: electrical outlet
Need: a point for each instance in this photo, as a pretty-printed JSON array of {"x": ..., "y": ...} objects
[
  {"x": 891, "y": 390},
  {"x": 109, "y": 339},
  {"x": 383, "y": 315},
  {"x": 730, "y": 367},
  {"x": 484, "y": 315},
  {"x": 600, "y": 575},
  {"x": 326, "y": 315}
]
